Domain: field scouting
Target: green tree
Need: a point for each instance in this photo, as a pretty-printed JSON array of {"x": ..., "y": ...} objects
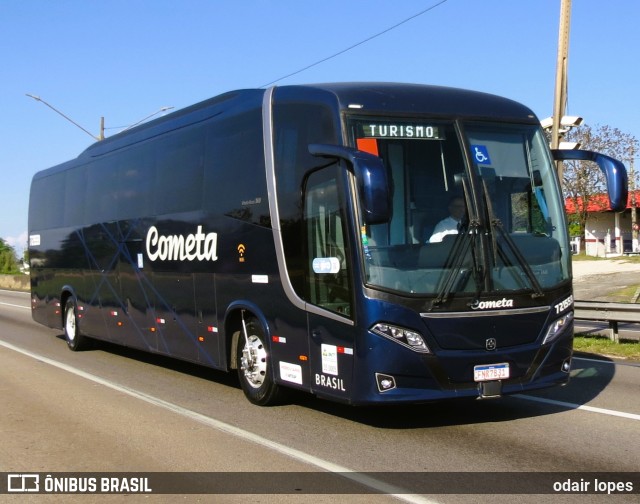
[
  {"x": 583, "y": 182},
  {"x": 8, "y": 260}
]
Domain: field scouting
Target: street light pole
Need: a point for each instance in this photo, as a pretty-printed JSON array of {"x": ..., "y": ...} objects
[
  {"x": 101, "y": 137},
  {"x": 101, "y": 134},
  {"x": 162, "y": 109}
]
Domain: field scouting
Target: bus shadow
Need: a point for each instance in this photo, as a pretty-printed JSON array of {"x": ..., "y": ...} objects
[
  {"x": 186, "y": 367},
  {"x": 590, "y": 376}
]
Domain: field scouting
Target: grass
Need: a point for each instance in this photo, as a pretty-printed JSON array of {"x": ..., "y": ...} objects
[
  {"x": 624, "y": 295},
  {"x": 601, "y": 345}
]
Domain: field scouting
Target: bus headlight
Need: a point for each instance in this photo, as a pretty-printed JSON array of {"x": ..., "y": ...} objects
[
  {"x": 405, "y": 337},
  {"x": 557, "y": 326}
]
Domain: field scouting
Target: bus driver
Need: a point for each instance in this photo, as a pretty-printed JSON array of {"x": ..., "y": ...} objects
[{"x": 449, "y": 225}]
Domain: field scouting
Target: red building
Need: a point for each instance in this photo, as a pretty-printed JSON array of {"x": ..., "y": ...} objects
[{"x": 606, "y": 232}]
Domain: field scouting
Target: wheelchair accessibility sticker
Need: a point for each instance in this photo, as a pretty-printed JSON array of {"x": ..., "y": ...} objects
[{"x": 481, "y": 154}]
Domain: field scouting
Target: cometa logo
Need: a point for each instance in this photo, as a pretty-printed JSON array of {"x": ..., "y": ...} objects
[
  {"x": 191, "y": 247},
  {"x": 492, "y": 305}
]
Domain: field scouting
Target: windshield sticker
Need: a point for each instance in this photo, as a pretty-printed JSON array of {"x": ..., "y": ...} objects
[
  {"x": 481, "y": 154},
  {"x": 365, "y": 242},
  {"x": 403, "y": 130},
  {"x": 322, "y": 265}
]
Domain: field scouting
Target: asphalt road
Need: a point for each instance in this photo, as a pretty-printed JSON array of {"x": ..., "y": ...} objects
[
  {"x": 112, "y": 409},
  {"x": 612, "y": 286},
  {"x": 612, "y": 281}
]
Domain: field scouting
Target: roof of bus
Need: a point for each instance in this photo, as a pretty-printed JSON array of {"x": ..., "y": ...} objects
[
  {"x": 419, "y": 99},
  {"x": 241, "y": 100},
  {"x": 358, "y": 97},
  {"x": 367, "y": 96}
]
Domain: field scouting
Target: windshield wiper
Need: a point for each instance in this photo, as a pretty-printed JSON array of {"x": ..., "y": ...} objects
[
  {"x": 453, "y": 280},
  {"x": 496, "y": 224}
]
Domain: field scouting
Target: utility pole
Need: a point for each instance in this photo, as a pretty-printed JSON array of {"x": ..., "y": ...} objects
[
  {"x": 634, "y": 217},
  {"x": 560, "y": 98}
]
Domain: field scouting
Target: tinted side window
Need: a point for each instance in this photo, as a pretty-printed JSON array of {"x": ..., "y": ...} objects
[
  {"x": 179, "y": 172},
  {"x": 75, "y": 196},
  {"x": 235, "y": 181},
  {"x": 136, "y": 176},
  {"x": 102, "y": 192},
  {"x": 296, "y": 126},
  {"x": 47, "y": 202}
]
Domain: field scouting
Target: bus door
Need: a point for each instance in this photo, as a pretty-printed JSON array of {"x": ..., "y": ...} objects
[{"x": 329, "y": 285}]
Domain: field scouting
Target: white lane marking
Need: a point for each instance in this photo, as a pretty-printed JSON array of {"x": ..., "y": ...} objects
[
  {"x": 16, "y": 305},
  {"x": 380, "y": 486},
  {"x": 584, "y": 407}
]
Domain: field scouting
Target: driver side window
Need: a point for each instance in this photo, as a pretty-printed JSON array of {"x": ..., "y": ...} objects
[{"x": 328, "y": 275}]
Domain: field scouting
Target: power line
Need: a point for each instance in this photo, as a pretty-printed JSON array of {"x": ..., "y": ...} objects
[{"x": 357, "y": 44}]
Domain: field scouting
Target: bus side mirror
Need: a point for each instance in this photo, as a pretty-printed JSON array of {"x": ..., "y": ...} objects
[
  {"x": 371, "y": 179},
  {"x": 614, "y": 171}
]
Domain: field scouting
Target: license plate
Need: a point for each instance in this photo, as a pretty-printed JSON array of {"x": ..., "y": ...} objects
[{"x": 490, "y": 372}]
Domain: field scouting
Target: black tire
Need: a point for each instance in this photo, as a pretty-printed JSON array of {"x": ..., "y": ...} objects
[
  {"x": 254, "y": 367},
  {"x": 75, "y": 340}
]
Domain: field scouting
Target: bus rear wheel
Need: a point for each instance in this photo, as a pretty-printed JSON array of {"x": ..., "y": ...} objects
[
  {"x": 254, "y": 367},
  {"x": 75, "y": 340}
]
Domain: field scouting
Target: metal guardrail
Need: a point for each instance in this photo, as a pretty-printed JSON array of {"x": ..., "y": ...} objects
[{"x": 607, "y": 312}]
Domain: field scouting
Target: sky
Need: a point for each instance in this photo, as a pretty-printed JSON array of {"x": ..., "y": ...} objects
[{"x": 126, "y": 59}]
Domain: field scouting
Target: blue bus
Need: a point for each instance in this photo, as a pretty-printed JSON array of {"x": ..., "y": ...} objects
[{"x": 288, "y": 234}]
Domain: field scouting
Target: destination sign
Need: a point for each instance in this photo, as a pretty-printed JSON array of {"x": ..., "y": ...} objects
[{"x": 403, "y": 130}]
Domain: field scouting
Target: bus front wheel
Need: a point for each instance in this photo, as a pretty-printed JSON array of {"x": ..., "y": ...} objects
[{"x": 254, "y": 367}]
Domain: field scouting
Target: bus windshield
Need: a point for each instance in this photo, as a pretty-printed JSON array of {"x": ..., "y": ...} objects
[{"x": 476, "y": 209}]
